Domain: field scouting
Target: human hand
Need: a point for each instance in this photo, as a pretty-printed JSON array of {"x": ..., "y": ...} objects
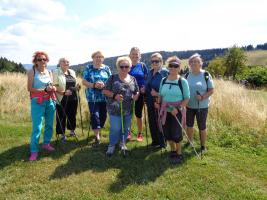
[
  {"x": 118, "y": 97},
  {"x": 68, "y": 92},
  {"x": 135, "y": 97},
  {"x": 154, "y": 93}
]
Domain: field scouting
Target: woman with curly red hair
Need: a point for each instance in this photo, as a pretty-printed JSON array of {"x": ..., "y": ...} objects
[{"x": 42, "y": 105}]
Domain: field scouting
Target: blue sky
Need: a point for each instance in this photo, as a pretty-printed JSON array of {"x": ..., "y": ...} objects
[{"x": 76, "y": 28}]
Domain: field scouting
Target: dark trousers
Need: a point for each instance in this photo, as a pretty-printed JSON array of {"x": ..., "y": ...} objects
[
  {"x": 172, "y": 130},
  {"x": 156, "y": 135},
  {"x": 66, "y": 112}
]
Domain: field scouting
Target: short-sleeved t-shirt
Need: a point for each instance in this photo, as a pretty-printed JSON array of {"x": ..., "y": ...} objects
[
  {"x": 117, "y": 86},
  {"x": 198, "y": 83},
  {"x": 139, "y": 72},
  {"x": 172, "y": 93},
  {"x": 94, "y": 75}
]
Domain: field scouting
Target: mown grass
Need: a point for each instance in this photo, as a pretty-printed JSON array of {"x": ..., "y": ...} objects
[{"x": 232, "y": 169}]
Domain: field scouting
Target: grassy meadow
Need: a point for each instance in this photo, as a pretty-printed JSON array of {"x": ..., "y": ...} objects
[
  {"x": 257, "y": 57},
  {"x": 234, "y": 168}
]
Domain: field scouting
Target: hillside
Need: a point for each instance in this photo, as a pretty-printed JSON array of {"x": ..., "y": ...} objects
[{"x": 207, "y": 55}]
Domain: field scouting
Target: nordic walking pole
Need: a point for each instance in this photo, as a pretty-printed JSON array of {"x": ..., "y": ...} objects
[
  {"x": 187, "y": 136},
  {"x": 198, "y": 93},
  {"x": 123, "y": 132},
  {"x": 145, "y": 122},
  {"x": 89, "y": 127},
  {"x": 80, "y": 107}
]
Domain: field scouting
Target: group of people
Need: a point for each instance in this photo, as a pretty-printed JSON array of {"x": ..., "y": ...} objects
[{"x": 173, "y": 101}]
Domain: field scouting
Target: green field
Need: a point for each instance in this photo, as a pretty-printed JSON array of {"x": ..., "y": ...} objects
[{"x": 233, "y": 168}]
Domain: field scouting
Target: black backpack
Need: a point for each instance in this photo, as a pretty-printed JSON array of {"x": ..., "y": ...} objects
[
  {"x": 179, "y": 84},
  {"x": 206, "y": 77}
]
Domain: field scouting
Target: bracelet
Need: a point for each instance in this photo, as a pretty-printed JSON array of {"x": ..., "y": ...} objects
[{"x": 114, "y": 95}]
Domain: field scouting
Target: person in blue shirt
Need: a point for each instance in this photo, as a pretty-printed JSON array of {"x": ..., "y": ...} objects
[
  {"x": 154, "y": 78},
  {"x": 139, "y": 71},
  {"x": 94, "y": 79},
  {"x": 174, "y": 96},
  {"x": 201, "y": 88}
]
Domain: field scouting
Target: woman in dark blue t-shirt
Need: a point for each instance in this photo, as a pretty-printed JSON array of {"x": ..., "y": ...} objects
[{"x": 139, "y": 71}]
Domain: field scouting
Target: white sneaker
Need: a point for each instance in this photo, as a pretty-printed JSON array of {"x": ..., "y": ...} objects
[{"x": 123, "y": 147}]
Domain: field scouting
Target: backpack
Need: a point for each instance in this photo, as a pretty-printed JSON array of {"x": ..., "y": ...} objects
[
  {"x": 206, "y": 77},
  {"x": 179, "y": 84},
  {"x": 144, "y": 69}
]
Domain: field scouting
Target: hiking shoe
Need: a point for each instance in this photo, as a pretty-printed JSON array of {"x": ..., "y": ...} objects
[
  {"x": 110, "y": 150},
  {"x": 96, "y": 142},
  {"x": 48, "y": 147},
  {"x": 72, "y": 134},
  {"x": 173, "y": 154},
  {"x": 139, "y": 137},
  {"x": 129, "y": 137},
  {"x": 124, "y": 149},
  {"x": 176, "y": 159},
  {"x": 203, "y": 149},
  {"x": 63, "y": 138},
  {"x": 155, "y": 146},
  {"x": 33, "y": 156}
]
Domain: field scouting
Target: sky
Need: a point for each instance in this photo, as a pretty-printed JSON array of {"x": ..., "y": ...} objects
[{"x": 76, "y": 28}]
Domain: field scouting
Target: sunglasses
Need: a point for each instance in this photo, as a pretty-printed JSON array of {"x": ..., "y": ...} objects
[
  {"x": 41, "y": 59},
  {"x": 173, "y": 65},
  {"x": 124, "y": 66},
  {"x": 155, "y": 61}
]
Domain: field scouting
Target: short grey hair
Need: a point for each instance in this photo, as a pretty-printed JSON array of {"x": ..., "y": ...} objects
[{"x": 123, "y": 58}]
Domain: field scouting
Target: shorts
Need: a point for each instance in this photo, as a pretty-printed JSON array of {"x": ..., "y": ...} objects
[
  {"x": 139, "y": 104},
  {"x": 201, "y": 115}
]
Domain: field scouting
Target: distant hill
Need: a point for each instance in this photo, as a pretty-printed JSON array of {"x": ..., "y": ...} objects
[
  {"x": 256, "y": 56},
  {"x": 29, "y": 66},
  {"x": 207, "y": 55}
]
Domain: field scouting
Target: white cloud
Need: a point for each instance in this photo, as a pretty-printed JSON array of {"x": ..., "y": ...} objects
[
  {"x": 218, "y": 25},
  {"x": 32, "y": 10}
]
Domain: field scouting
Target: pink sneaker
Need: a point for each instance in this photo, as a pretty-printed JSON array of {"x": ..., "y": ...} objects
[
  {"x": 33, "y": 156},
  {"x": 139, "y": 137},
  {"x": 48, "y": 147},
  {"x": 129, "y": 137}
]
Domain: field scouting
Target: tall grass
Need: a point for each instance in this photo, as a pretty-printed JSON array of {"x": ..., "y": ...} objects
[
  {"x": 15, "y": 99},
  {"x": 231, "y": 104},
  {"x": 234, "y": 105}
]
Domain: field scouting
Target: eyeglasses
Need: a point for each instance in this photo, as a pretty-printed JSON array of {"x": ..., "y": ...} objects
[
  {"x": 124, "y": 66},
  {"x": 195, "y": 61},
  {"x": 155, "y": 61},
  {"x": 41, "y": 59},
  {"x": 171, "y": 65}
]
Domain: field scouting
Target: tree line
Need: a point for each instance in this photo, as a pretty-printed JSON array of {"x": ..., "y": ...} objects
[{"x": 10, "y": 66}]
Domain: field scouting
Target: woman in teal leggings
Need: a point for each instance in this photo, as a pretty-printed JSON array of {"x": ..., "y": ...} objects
[{"x": 42, "y": 105}]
